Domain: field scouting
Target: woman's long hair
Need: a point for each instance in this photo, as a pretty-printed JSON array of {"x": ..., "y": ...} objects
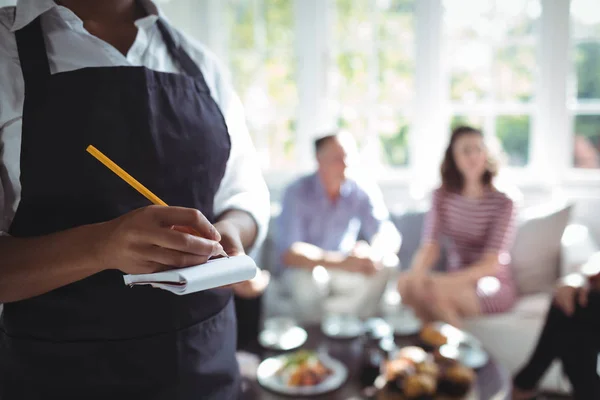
[{"x": 452, "y": 179}]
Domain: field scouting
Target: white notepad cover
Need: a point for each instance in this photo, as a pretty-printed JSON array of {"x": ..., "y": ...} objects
[{"x": 212, "y": 274}]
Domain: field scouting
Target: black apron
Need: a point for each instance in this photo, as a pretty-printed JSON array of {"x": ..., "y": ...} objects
[{"x": 97, "y": 338}]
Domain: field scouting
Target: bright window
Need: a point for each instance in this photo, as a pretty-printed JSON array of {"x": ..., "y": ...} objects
[
  {"x": 262, "y": 62},
  {"x": 399, "y": 73},
  {"x": 490, "y": 58},
  {"x": 585, "y": 82},
  {"x": 371, "y": 74}
]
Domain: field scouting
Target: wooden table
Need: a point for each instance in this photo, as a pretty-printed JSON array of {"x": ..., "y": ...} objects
[{"x": 493, "y": 381}]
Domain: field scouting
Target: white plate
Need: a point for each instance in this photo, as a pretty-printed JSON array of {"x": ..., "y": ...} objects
[
  {"x": 466, "y": 348},
  {"x": 289, "y": 339},
  {"x": 342, "y": 327},
  {"x": 473, "y": 357},
  {"x": 456, "y": 336},
  {"x": 377, "y": 328},
  {"x": 470, "y": 356},
  {"x": 268, "y": 378},
  {"x": 404, "y": 326}
]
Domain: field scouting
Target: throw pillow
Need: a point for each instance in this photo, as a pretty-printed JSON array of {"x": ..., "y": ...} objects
[{"x": 536, "y": 251}]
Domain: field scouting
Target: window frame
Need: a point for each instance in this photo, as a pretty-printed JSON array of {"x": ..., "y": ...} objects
[{"x": 551, "y": 109}]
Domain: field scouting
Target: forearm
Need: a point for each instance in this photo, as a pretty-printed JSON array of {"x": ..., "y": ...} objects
[
  {"x": 305, "y": 255},
  {"x": 486, "y": 266},
  {"x": 425, "y": 258},
  {"x": 244, "y": 224},
  {"x": 34, "y": 266},
  {"x": 386, "y": 241}
]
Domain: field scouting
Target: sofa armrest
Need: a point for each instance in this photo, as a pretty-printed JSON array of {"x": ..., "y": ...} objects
[{"x": 577, "y": 246}]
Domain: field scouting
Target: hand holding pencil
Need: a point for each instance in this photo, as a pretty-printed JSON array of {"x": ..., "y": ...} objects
[{"x": 139, "y": 241}]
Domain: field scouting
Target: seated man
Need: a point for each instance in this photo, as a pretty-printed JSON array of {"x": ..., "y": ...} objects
[{"x": 323, "y": 216}]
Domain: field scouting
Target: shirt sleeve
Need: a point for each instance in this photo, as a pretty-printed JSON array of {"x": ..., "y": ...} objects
[
  {"x": 373, "y": 212},
  {"x": 291, "y": 224},
  {"x": 432, "y": 226},
  {"x": 11, "y": 110},
  {"x": 243, "y": 186},
  {"x": 502, "y": 232}
]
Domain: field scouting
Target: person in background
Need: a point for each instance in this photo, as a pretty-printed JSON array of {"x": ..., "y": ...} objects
[
  {"x": 117, "y": 75},
  {"x": 586, "y": 154},
  {"x": 571, "y": 334},
  {"x": 248, "y": 309},
  {"x": 479, "y": 223},
  {"x": 321, "y": 219}
]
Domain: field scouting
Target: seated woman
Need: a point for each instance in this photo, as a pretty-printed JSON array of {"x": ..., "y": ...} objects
[
  {"x": 478, "y": 221},
  {"x": 572, "y": 335}
]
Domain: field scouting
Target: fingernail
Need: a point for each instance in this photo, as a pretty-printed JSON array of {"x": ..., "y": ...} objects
[{"x": 218, "y": 249}]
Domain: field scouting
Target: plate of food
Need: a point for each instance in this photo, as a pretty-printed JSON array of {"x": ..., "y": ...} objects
[
  {"x": 414, "y": 374},
  {"x": 303, "y": 373},
  {"x": 454, "y": 343}
]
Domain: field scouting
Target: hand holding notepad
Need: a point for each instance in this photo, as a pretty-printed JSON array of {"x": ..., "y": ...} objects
[{"x": 214, "y": 273}]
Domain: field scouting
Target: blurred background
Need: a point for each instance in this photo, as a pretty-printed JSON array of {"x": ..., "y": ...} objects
[{"x": 399, "y": 74}]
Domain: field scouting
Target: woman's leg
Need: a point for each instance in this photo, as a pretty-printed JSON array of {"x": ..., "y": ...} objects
[
  {"x": 443, "y": 299},
  {"x": 580, "y": 362},
  {"x": 413, "y": 297},
  {"x": 440, "y": 299},
  {"x": 546, "y": 350},
  {"x": 452, "y": 303},
  {"x": 580, "y": 357},
  {"x": 455, "y": 302},
  {"x": 575, "y": 340}
]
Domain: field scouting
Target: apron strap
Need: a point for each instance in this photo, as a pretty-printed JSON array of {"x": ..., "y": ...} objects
[
  {"x": 32, "y": 54},
  {"x": 185, "y": 62}
]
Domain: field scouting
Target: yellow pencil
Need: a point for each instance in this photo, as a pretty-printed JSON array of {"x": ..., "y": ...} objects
[{"x": 134, "y": 183}]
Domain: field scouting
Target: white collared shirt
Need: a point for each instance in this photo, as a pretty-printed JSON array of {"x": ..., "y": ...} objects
[{"x": 70, "y": 47}]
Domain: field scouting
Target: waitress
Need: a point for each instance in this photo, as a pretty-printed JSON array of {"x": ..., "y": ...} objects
[{"x": 115, "y": 74}]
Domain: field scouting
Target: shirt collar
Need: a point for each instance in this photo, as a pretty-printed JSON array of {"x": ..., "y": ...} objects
[
  {"x": 28, "y": 10},
  {"x": 345, "y": 189}
]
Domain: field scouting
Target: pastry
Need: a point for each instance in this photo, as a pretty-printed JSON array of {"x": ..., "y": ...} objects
[
  {"x": 396, "y": 371},
  {"x": 413, "y": 353},
  {"x": 432, "y": 338},
  {"x": 419, "y": 387},
  {"x": 456, "y": 380},
  {"x": 428, "y": 367}
]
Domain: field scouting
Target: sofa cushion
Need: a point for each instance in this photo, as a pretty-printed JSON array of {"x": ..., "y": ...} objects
[
  {"x": 511, "y": 337},
  {"x": 410, "y": 226},
  {"x": 536, "y": 252}
]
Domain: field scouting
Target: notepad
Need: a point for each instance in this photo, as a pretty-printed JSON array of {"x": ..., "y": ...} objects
[{"x": 213, "y": 274}]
